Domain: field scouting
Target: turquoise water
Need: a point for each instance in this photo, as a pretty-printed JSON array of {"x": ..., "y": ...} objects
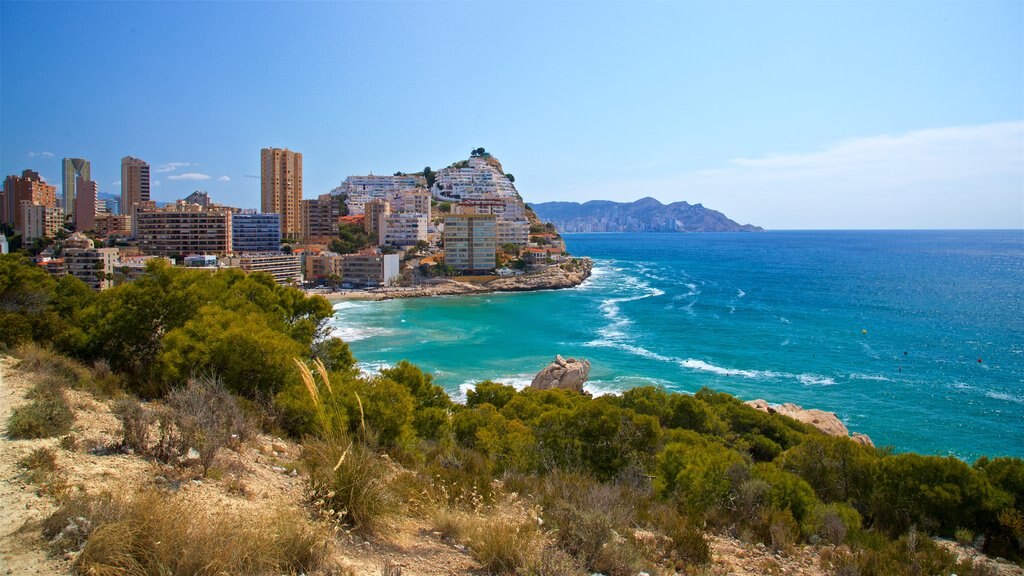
[{"x": 884, "y": 328}]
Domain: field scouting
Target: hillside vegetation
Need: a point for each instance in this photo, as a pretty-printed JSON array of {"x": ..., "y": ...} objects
[{"x": 524, "y": 482}]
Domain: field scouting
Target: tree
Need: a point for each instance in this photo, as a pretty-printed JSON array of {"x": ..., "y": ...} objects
[
  {"x": 510, "y": 177},
  {"x": 430, "y": 175},
  {"x": 25, "y": 295},
  {"x": 351, "y": 238}
]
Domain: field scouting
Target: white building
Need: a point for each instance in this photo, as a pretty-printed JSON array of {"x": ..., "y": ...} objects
[
  {"x": 402, "y": 230},
  {"x": 361, "y": 189},
  {"x": 477, "y": 179}
]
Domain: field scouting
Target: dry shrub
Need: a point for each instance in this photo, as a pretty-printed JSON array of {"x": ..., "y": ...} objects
[
  {"x": 503, "y": 546},
  {"x": 205, "y": 419},
  {"x": 41, "y": 469},
  {"x": 348, "y": 484},
  {"x": 69, "y": 442},
  {"x": 136, "y": 420},
  {"x": 53, "y": 366},
  {"x": 47, "y": 415},
  {"x": 620, "y": 558},
  {"x": 157, "y": 533}
]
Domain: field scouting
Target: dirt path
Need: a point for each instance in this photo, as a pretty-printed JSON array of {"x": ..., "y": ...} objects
[{"x": 21, "y": 547}]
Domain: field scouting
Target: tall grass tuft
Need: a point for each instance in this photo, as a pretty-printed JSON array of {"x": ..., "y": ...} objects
[
  {"x": 48, "y": 414},
  {"x": 157, "y": 533}
]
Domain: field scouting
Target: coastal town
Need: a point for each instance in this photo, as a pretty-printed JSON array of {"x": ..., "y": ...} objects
[{"x": 461, "y": 229}]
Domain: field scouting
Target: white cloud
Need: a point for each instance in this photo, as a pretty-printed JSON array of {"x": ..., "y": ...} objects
[
  {"x": 224, "y": 179},
  {"x": 40, "y": 154},
  {"x": 955, "y": 177},
  {"x": 189, "y": 176},
  {"x": 171, "y": 167},
  {"x": 154, "y": 183},
  {"x": 116, "y": 183}
]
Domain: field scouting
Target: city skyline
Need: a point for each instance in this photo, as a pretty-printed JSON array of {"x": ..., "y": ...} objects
[{"x": 781, "y": 115}]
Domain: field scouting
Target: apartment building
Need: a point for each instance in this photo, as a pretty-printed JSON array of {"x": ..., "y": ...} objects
[
  {"x": 470, "y": 242},
  {"x": 86, "y": 204},
  {"x": 322, "y": 266},
  {"x": 135, "y": 183},
  {"x": 183, "y": 229},
  {"x": 320, "y": 218},
  {"x": 474, "y": 179},
  {"x": 94, "y": 266},
  {"x": 252, "y": 232},
  {"x": 374, "y": 210},
  {"x": 369, "y": 268},
  {"x": 39, "y": 221},
  {"x": 29, "y": 187},
  {"x": 281, "y": 188},
  {"x": 402, "y": 230},
  {"x": 358, "y": 190},
  {"x": 285, "y": 268},
  {"x": 113, "y": 225}
]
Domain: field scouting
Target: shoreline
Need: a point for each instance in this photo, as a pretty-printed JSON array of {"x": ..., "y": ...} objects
[{"x": 553, "y": 277}]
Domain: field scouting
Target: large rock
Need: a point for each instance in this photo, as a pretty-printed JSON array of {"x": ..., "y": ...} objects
[
  {"x": 565, "y": 374},
  {"x": 827, "y": 422}
]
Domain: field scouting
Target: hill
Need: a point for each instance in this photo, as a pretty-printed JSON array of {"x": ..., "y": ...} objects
[{"x": 644, "y": 215}]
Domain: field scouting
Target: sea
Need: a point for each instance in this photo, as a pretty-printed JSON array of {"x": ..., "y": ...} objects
[{"x": 915, "y": 338}]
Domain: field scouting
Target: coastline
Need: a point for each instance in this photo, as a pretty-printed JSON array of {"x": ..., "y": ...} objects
[{"x": 552, "y": 277}]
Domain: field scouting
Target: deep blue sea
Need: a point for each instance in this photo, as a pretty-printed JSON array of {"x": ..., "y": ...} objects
[{"x": 914, "y": 338}]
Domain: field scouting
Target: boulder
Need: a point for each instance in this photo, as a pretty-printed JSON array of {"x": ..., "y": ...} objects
[
  {"x": 827, "y": 422},
  {"x": 565, "y": 374}
]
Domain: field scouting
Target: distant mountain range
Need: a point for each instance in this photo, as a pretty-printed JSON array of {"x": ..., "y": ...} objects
[{"x": 644, "y": 215}]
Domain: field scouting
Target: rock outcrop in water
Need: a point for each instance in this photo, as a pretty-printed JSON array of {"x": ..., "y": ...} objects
[
  {"x": 564, "y": 374},
  {"x": 827, "y": 422}
]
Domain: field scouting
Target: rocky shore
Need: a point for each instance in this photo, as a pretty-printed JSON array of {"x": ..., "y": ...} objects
[
  {"x": 827, "y": 422},
  {"x": 549, "y": 278}
]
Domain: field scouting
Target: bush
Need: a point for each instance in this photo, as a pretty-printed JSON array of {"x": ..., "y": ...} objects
[
  {"x": 831, "y": 523},
  {"x": 206, "y": 418},
  {"x": 47, "y": 415},
  {"x": 154, "y": 533},
  {"x": 504, "y": 546},
  {"x": 136, "y": 420},
  {"x": 347, "y": 484},
  {"x": 52, "y": 366}
]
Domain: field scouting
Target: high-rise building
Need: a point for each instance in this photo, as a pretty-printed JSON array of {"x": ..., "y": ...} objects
[
  {"x": 73, "y": 169},
  {"x": 27, "y": 187},
  {"x": 373, "y": 211},
  {"x": 281, "y": 188},
  {"x": 134, "y": 183},
  {"x": 470, "y": 242},
  {"x": 320, "y": 219},
  {"x": 86, "y": 204}
]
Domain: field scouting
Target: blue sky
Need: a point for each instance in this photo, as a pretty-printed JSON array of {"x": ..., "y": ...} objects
[{"x": 786, "y": 115}]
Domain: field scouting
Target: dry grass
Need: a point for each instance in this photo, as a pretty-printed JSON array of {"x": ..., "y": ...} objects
[
  {"x": 157, "y": 533},
  {"x": 48, "y": 414},
  {"x": 41, "y": 470},
  {"x": 348, "y": 484}
]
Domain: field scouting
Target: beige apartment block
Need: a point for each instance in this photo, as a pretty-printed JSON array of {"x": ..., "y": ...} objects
[
  {"x": 373, "y": 211},
  {"x": 285, "y": 268},
  {"x": 134, "y": 183},
  {"x": 470, "y": 242},
  {"x": 281, "y": 188},
  {"x": 322, "y": 266},
  {"x": 94, "y": 266},
  {"x": 40, "y": 221},
  {"x": 113, "y": 225},
  {"x": 183, "y": 229},
  {"x": 369, "y": 268},
  {"x": 320, "y": 219}
]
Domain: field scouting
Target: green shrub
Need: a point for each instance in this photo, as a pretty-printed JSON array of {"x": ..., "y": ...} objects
[
  {"x": 831, "y": 523},
  {"x": 47, "y": 415}
]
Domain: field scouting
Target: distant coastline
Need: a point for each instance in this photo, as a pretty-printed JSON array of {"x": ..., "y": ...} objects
[{"x": 554, "y": 277}]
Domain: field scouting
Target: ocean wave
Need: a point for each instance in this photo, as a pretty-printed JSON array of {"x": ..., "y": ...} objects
[
  {"x": 740, "y": 293},
  {"x": 371, "y": 369},
  {"x": 814, "y": 380},
  {"x": 1005, "y": 397},
  {"x": 350, "y": 333},
  {"x": 869, "y": 377},
  {"x": 348, "y": 305},
  {"x": 702, "y": 366}
]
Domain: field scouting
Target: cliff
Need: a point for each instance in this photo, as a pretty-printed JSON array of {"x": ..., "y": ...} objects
[{"x": 644, "y": 215}]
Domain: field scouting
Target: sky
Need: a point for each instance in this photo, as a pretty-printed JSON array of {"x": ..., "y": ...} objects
[{"x": 791, "y": 115}]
